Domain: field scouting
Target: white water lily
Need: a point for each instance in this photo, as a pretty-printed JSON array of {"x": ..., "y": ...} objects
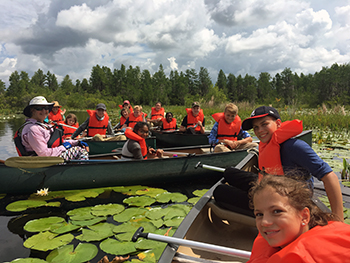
[{"x": 43, "y": 192}]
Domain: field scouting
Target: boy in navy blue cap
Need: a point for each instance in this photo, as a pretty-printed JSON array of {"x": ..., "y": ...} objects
[{"x": 280, "y": 154}]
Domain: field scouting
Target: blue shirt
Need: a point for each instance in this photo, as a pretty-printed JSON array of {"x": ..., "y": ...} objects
[
  {"x": 297, "y": 155},
  {"x": 214, "y": 133}
]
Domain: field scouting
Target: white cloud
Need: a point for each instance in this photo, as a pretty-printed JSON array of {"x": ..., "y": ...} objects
[{"x": 239, "y": 37}]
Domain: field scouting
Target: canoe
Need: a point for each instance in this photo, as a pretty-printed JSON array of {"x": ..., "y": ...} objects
[
  {"x": 107, "y": 171},
  {"x": 177, "y": 139},
  {"x": 101, "y": 147},
  {"x": 210, "y": 225}
]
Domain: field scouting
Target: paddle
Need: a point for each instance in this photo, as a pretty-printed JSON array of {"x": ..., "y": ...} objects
[
  {"x": 209, "y": 167},
  {"x": 65, "y": 125},
  {"x": 192, "y": 244},
  {"x": 33, "y": 161}
]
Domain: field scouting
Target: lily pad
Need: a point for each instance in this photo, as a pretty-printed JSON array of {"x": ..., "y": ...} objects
[
  {"x": 133, "y": 226},
  {"x": 200, "y": 193},
  {"x": 82, "y": 213},
  {"x": 96, "y": 232},
  {"x": 23, "y": 205},
  {"x": 89, "y": 222},
  {"x": 107, "y": 209},
  {"x": 43, "y": 224},
  {"x": 2, "y": 196},
  {"x": 28, "y": 260},
  {"x": 45, "y": 241},
  {"x": 82, "y": 195},
  {"x": 115, "y": 247},
  {"x": 82, "y": 253},
  {"x": 129, "y": 213},
  {"x": 175, "y": 197},
  {"x": 156, "y": 213},
  {"x": 140, "y": 201},
  {"x": 63, "y": 228},
  {"x": 174, "y": 221},
  {"x": 152, "y": 192},
  {"x": 131, "y": 190},
  {"x": 193, "y": 200}
]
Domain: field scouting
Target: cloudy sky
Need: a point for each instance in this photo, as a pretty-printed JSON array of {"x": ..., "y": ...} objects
[{"x": 237, "y": 36}]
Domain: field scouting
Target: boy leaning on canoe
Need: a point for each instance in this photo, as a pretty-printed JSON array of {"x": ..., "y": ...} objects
[{"x": 279, "y": 154}]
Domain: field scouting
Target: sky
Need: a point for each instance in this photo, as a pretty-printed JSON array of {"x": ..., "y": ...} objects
[{"x": 237, "y": 36}]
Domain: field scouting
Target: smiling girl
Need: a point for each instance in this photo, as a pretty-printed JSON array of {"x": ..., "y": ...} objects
[{"x": 292, "y": 228}]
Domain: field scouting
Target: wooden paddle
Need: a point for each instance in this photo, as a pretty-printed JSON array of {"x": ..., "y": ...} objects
[
  {"x": 33, "y": 161},
  {"x": 192, "y": 244}
]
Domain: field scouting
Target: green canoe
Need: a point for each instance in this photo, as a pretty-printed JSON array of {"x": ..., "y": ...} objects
[{"x": 177, "y": 139}]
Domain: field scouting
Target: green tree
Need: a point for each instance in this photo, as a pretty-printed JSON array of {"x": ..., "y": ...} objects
[
  {"x": 221, "y": 82},
  {"x": 204, "y": 81},
  {"x": 67, "y": 86},
  {"x": 146, "y": 87},
  {"x": 51, "y": 81},
  {"x": 161, "y": 86},
  {"x": 192, "y": 81},
  {"x": 264, "y": 88},
  {"x": 39, "y": 79},
  {"x": 231, "y": 87}
]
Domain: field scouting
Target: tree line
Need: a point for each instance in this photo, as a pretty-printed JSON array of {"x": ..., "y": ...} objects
[{"x": 330, "y": 86}]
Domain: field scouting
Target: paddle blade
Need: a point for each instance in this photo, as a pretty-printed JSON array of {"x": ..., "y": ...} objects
[{"x": 33, "y": 161}]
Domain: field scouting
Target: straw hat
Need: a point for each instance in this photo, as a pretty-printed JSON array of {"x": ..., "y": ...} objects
[{"x": 56, "y": 104}]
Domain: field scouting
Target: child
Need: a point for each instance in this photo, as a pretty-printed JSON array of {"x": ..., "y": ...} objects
[
  {"x": 72, "y": 121},
  {"x": 168, "y": 123},
  {"x": 278, "y": 154},
  {"x": 291, "y": 227},
  {"x": 194, "y": 119},
  {"x": 227, "y": 129},
  {"x": 124, "y": 116},
  {"x": 134, "y": 117}
]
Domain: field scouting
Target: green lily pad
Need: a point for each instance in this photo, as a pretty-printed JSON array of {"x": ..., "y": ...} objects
[
  {"x": 82, "y": 195},
  {"x": 82, "y": 213},
  {"x": 2, "y": 196},
  {"x": 67, "y": 254},
  {"x": 152, "y": 192},
  {"x": 28, "y": 260},
  {"x": 23, "y": 205},
  {"x": 131, "y": 190},
  {"x": 140, "y": 201},
  {"x": 129, "y": 213},
  {"x": 193, "y": 200},
  {"x": 175, "y": 197},
  {"x": 115, "y": 247},
  {"x": 174, "y": 212},
  {"x": 96, "y": 232},
  {"x": 108, "y": 209},
  {"x": 45, "y": 241},
  {"x": 89, "y": 222},
  {"x": 174, "y": 221},
  {"x": 43, "y": 224},
  {"x": 63, "y": 228},
  {"x": 200, "y": 193},
  {"x": 156, "y": 213},
  {"x": 150, "y": 256},
  {"x": 133, "y": 226}
]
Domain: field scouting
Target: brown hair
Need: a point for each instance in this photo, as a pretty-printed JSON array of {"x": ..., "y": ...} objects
[
  {"x": 71, "y": 116},
  {"x": 232, "y": 108},
  {"x": 298, "y": 194}
]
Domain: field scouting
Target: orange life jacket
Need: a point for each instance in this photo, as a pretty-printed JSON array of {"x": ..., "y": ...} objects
[
  {"x": 133, "y": 120},
  {"x": 122, "y": 120},
  {"x": 133, "y": 136},
  {"x": 130, "y": 108},
  {"x": 169, "y": 126},
  {"x": 68, "y": 131},
  {"x": 55, "y": 140},
  {"x": 269, "y": 153},
  {"x": 157, "y": 114},
  {"x": 96, "y": 126},
  {"x": 191, "y": 120},
  {"x": 228, "y": 131},
  {"x": 55, "y": 117},
  {"x": 321, "y": 244}
]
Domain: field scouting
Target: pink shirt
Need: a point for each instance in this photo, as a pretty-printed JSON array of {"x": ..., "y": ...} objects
[{"x": 35, "y": 138}]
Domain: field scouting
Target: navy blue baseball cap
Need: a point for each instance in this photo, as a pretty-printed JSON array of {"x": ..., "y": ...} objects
[{"x": 259, "y": 113}]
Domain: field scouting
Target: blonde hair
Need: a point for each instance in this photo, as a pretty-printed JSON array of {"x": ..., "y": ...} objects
[
  {"x": 232, "y": 108},
  {"x": 138, "y": 107}
]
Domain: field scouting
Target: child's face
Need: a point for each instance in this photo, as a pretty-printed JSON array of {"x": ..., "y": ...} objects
[
  {"x": 70, "y": 121},
  {"x": 229, "y": 117},
  {"x": 169, "y": 118},
  {"x": 137, "y": 113},
  {"x": 125, "y": 114},
  {"x": 195, "y": 110},
  {"x": 264, "y": 127},
  {"x": 277, "y": 221},
  {"x": 55, "y": 109},
  {"x": 100, "y": 113},
  {"x": 158, "y": 106}
]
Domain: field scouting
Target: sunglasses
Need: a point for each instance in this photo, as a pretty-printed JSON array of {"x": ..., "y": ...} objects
[{"x": 42, "y": 108}]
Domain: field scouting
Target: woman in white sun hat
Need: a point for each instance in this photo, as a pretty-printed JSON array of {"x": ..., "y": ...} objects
[{"x": 35, "y": 137}]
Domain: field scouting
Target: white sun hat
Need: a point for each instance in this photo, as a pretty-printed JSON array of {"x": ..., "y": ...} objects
[{"x": 37, "y": 101}]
